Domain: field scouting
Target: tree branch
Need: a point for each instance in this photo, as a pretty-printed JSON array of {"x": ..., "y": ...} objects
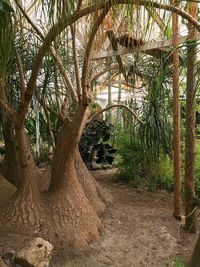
[
  {"x": 64, "y": 73},
  {"x": 79, "y": 4},
  {"x": 7, "y": 109},
  {"x": 46, "y": 111},
  {"x": 54, "y": 53},
  {"x": 99, "y": 74},
  {"x": 97, "y": 23},
  {"x": 78, "y": 80},
  {"x": 70, "y": 19},
  {"x": 21, "y": 74},
  {"x": 115, "y": 106}
]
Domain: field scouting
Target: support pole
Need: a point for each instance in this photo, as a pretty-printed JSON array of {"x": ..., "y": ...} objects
[
  {"x": 176, "y": 118},
  {"x": 190, "y": 220}
]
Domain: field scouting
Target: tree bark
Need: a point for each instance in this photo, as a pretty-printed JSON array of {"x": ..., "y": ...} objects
[
  {"x": 195, "y": 258},
  {"x": 24, "y": 212},
  {"x": 67, "y": 142},
  {"x": 10, "y": 165},
  {"x": 176, "y": 119},
  {"x": 75, "y": 220},
  {"x": 97, "y": 195},
  {"x": 190, "y": 221},
  {"x": 74, "y": 197},
  {"x": 74, "y": 216}
]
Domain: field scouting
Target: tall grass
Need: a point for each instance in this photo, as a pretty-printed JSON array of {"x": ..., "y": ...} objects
[{"x": 142, "y": 169}]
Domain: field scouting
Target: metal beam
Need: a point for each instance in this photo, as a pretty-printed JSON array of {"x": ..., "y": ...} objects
[{"x": 162, "y": 45}]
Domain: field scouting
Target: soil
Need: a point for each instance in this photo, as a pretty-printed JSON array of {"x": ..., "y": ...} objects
[{"x": 139, "y": 231}]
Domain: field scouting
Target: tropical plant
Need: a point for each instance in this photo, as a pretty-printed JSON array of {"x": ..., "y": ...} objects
[
  {"x": 73, "y": 199},
  {"x": 156, "y": 129},
  {"x": 94, "y": 146},
  {"x": 141, "y": 169}
]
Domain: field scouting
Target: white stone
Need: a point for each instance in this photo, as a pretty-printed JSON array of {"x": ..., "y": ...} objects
[{"x": 37, "y": 253}]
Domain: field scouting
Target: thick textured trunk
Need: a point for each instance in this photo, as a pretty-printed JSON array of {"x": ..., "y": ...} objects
[
  {"x": 74, "y": 197},
  {"x": 75, "y": 219},
  {"x": 96, "y": 194},
  {"x": 195, "y": 258},
  {"x": 190, "y": 220},
  {"x": 10, "y": 166},
  {"x": 67, "y": 143},
  {"x": 24, "y": 212}
]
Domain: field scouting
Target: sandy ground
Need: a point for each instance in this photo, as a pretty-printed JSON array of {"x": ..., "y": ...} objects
[{"x": 139, "y": 231}]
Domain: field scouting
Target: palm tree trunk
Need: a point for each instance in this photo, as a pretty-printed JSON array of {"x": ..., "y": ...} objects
[
  {"x": 176, "y": 119},
  {"x": 24, "y": 212},
  {"x": 190, "y": 222},
  {"x": 74, "y": 216}
]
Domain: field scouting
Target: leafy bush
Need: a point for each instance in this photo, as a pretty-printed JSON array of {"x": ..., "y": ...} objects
[
  {"x": 131, "y": 164},
  {"x": 162, "y": 173},
  {"x": 94, "y": 144},
  {"x": 175, "y": 263},
  {"x": 145, "y": 152},
  {"x": 178, "y": 263},
  {"x": 141, "y": 169},
  {"x": 156, "y": 129}
]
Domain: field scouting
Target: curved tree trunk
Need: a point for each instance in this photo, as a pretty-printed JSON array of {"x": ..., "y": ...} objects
[
  {"x": 73, "y": 198},
  {"x": 24, "y": 212},
  {"x": 74, "y": 214},
  {"x": 97, "y": 195},
  {"x": 75, "y": 220}
]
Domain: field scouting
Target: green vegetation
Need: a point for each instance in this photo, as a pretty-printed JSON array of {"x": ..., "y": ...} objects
[
  {"x": 176, "y": 263},
  {"x": 145, "y": 171},
  {"x": 144, "y": 149},
  {"x": 140, "y": 169},
  {"x": 94, "y": 144}
]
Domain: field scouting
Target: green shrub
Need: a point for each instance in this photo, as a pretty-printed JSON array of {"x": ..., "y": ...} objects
[
  {"x": 163, "y": 173},
  {"x": 94, "y": 143},
  {"x": 178, "y": 263},
  {"x": 175, "y": 263},
  {"x": 131, "y": 164},
  {"x": 143, "y": 170}
]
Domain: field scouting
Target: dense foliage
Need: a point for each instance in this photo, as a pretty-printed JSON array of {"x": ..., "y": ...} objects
[
  {"x": 94, "y": 144},
  {"x": 139, "y": 168}
]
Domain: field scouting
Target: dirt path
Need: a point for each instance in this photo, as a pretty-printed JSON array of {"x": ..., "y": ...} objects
[{"x": 139, "y": 232}]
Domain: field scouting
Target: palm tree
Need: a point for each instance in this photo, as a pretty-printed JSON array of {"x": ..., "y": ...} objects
[{"x": 69, "y": 209}]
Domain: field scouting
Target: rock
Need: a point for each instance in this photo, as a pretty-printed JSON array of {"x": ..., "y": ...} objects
[
  {"x": 36, "y": 254},
  {"x": 96, "y": 166}
]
